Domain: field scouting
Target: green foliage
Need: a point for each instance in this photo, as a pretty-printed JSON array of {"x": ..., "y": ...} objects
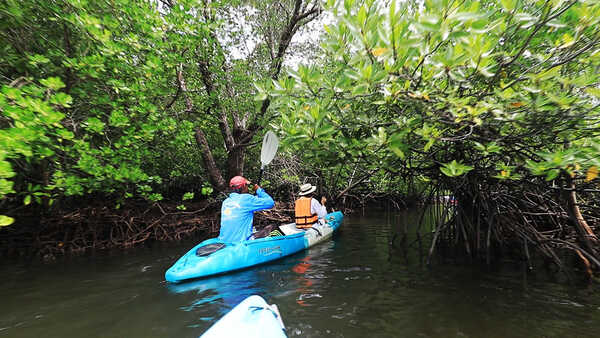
[
  {"x": 112, "y": 98},
  {"x": 33, "y": 132},
  {"x": 500, "y": 91},
  {"x": 83, "y": 97},
  {"x": 206, "y": 190}
]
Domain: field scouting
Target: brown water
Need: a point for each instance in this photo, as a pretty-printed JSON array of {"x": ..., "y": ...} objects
[{"x": 352, "y": 286}]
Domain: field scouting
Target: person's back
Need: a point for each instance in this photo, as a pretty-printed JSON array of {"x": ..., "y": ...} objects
[
  {"x": 237, "y": 210},
  {"x": 307, "y": 209},
  {"x": 304, "y": 217}
]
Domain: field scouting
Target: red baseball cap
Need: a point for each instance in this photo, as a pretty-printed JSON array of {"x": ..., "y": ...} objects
[{"x": 238, "y": 182}]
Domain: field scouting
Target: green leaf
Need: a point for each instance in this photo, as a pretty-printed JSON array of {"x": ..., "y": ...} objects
[
  {"x": 5, "y": 220},
  {"x": 94, "y": 124},
  {"x": 398, "y": 152},
  {"x": 429, "y": 144},
  {"x": 360, "y": 89},
  {"x": 508, "y": 5},
  {"x": 260, "y": 97},
  {"x": 45, "y": 152},
  {"x": 552, "y": 174},
  {"x": 593, "y": 91},
  {"x": 567, "y": 41},
  {"x": 65, "y": 134},
  {"x": 53, "y": 83},
  {"x": 27, "y": 200},
  {"x": 206, "y": 191},
  {"x": 454, "y": 169},
  {"x": 485, "y": 71},
  {"x": 6, "y": 170},
  {"x": 52, "y": 117},
  {"x": 38, "y": 59},
  {"x": 6, "y": 187},
  {"x": 465, "y": 16},
  {"x": 118, "y": 119},
  {"x": 11, "y": 93},
  {"x": 155, "y": 197},
  {"x": 492, "y": 147},
  {"x": 362, "y": 15},
  {"x": 61, "y": 99}
]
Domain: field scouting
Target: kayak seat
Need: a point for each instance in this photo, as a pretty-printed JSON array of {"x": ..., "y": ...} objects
[
  {"x": 276, "y": 233},
  {"x": 208, "y": 249}
]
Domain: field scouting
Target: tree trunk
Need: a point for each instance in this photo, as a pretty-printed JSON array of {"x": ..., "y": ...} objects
[
  {"x": 586, "y": 234},
  {"x": 237, "y": 137},
  {"x": 214, "y": 174},
  {"x": 235, "y": 161}
]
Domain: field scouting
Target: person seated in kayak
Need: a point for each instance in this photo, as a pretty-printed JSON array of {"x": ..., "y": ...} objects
[
  {"x": 308, "y": 209},
  {"x": 237, "y": 210}
]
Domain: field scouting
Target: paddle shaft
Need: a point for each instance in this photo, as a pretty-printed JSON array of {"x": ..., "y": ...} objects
[{"x": 260, "y": 176}]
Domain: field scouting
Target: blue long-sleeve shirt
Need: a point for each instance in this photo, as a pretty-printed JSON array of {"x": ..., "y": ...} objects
[{"x": 237, "y": 214}]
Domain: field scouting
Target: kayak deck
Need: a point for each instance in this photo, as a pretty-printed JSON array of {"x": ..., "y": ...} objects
[{"x": 253, "y": 317}]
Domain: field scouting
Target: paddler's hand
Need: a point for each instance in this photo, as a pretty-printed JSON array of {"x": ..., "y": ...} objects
[
  {"x": 323, "y": 200},
  {"x": 256, "y": 187}
]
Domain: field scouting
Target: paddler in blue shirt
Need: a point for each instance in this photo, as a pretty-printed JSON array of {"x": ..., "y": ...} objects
[{"x": 237, "y": 210}]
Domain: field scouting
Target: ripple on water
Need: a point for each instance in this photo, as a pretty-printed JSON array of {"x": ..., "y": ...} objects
[
  {"x": 351, "y": 269},
  {"x": 309, "y": 296}
]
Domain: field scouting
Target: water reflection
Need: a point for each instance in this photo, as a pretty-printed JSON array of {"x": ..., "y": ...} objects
[
  {"x": 304, "y": 283},
  {"x": 229, "y": 289}
]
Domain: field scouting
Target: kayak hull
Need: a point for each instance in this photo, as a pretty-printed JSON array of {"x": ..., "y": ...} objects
[
  {"x": 235, "y": 256},
  {"x": 253, "y": 317}
]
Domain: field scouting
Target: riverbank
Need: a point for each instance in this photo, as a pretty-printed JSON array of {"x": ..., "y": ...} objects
[{"x": 99, "y": 227}]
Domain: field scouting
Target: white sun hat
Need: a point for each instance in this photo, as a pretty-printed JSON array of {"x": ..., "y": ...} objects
[{"x": 306, "y": 189}]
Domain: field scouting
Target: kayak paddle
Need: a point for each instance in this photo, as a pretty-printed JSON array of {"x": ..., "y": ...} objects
[{"x": 267, "y": 153}]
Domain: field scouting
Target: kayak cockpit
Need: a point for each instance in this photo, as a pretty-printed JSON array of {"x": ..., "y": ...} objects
[{"x": 208, "y": 249}]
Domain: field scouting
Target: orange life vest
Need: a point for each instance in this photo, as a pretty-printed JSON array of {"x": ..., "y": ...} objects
[{"x": 304, "y": 219}]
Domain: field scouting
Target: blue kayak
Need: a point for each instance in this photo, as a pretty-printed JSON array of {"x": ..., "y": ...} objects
[
  {"x": 213, "y": 256},
  {"x": 253, "y": 317}
]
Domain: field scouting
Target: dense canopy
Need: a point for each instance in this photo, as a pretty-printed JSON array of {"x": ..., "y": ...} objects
[{"x": 493, "y": 102}]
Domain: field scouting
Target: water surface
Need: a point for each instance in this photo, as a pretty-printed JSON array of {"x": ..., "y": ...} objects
[{"x": 352, "y": 286}]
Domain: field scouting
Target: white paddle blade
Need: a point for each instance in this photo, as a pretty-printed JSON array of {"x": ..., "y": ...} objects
[{"x": 269, "y": 148}]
